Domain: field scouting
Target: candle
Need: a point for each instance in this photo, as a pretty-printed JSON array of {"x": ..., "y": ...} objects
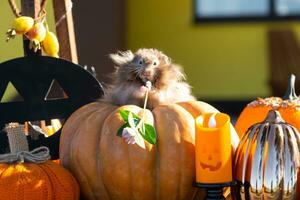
[{"x": 213, "y": 149}]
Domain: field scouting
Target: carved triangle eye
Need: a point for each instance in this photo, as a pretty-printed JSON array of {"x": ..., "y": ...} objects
[
  {"x": 55, "y": 91},
  {"x": 11, "y": 94}
]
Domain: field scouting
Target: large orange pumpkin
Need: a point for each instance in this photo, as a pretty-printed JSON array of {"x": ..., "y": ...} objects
[
  {"x": 106, "y": 167},
  {"x": 256, "y": 111}
]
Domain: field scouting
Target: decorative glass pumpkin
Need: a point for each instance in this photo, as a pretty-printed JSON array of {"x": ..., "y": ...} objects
[
  {"x": 254, "y": 112},
  {"x": 267, "y": 160},
  {"x": 106, "y": 167}
]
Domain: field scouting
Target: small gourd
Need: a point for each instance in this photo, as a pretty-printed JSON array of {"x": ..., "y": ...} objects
[{"x": 254, "y": 112}]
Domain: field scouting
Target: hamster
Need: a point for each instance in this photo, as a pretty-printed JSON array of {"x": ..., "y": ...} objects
[{"x": 133, "y": 70}]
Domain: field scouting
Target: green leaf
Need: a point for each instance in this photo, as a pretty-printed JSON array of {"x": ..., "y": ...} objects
[
  {"x": 119, "y": 133},
  {"x": 146, "y": 131},
  {"x": 149, "y": 134},
  {"x": 135, "y": 115},
  {"x": 124, "y": 114}
]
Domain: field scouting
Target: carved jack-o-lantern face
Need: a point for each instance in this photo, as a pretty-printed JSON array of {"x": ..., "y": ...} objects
[
  {"x": 210, "y": 158},
  {"x": 213, "y": 148}
]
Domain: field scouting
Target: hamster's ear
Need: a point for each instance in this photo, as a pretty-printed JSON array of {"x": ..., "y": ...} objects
[
  {"x": 167, "y": 60},
  {"x": 122, "y": 57},
  {"x": 163, "y": 57}
]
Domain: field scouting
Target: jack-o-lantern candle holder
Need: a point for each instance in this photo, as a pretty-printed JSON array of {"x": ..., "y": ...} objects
[
  {"x": 213, "y": 154},
  {"x": 213, "y": 148}
]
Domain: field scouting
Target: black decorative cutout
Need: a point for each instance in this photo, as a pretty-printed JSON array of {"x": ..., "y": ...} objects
[
  {"x": 32, "y": 77},
  {"x": 10, "y": 86}
]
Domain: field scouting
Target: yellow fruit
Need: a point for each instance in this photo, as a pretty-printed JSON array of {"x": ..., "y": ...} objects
[
  {"x": 37, "y": 32},
  {"x": 22, "y": 24},
  {"x": 51, "y": 45}
]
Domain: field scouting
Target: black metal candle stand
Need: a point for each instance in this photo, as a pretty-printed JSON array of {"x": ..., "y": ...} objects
[{"x": 215, "y": 190}]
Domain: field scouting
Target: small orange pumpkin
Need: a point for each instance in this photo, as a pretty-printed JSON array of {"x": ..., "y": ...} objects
[
  {"x": 30, "y": 181},
  {"x": 256, "y": 111},
  {"x": 23, "y": 179},
  {"x": 106, "y": 167}
]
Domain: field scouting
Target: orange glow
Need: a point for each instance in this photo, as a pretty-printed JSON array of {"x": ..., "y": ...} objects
[
  {"x": 50, "y": 130},
  {"x": 213, "y": 148}
]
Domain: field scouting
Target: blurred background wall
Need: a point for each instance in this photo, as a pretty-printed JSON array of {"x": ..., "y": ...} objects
[{"x": 223, "y": 61}]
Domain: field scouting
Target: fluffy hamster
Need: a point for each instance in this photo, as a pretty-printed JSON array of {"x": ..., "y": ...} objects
[{"x": 133, "y": 70}]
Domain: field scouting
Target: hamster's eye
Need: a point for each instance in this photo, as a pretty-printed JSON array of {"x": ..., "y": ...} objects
[
  {"x": 141, "y": 62},
  {"x": 156, "y": 63}
]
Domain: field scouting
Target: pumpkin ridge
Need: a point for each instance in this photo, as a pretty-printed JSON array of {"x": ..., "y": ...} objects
[
  {"x": 21, "y": 188},
  {"x": 88, "y": 110},
  {"x": 41, "y": 175},
  {"x": 50, "y": 193},
  {"x": 179, "y": 154},
  {"x": 142, "y": 179},
  {"x": 182, "y": 141},
  {"x": 179, "y": 158},
  {"x": 177, "y": 115},
  {"x": 46, "y": 190},
  {"x": 130, "y": 173},
  {"x": 73, "y": 159},
  {"x": 98, "y": 165},
  {"x": 48, "y": 168},
  {"x": 109, "y": 140},
  {"x": 157, "y": 158},
  {"x": 73, "y": 162},
  {"x": 98, "y": 153},
  {"x": 67, "y": 131},
  {"x": 157, "y": 164}
]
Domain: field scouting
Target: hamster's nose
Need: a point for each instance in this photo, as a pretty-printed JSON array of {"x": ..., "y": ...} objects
[
  {"x": 148, "y": 62},
  {"x": 146, "y": 73}
]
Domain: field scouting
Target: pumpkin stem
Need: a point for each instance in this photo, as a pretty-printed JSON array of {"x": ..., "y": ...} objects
[
  {"x": 290, "y": 92},
  {"x": 19, "y": 147},
  {"x": 17, "y": 138},
  {"x": 273, "y": 117}
]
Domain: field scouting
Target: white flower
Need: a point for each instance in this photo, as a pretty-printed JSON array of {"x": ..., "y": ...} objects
[{"x": 132, "y": 136}]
